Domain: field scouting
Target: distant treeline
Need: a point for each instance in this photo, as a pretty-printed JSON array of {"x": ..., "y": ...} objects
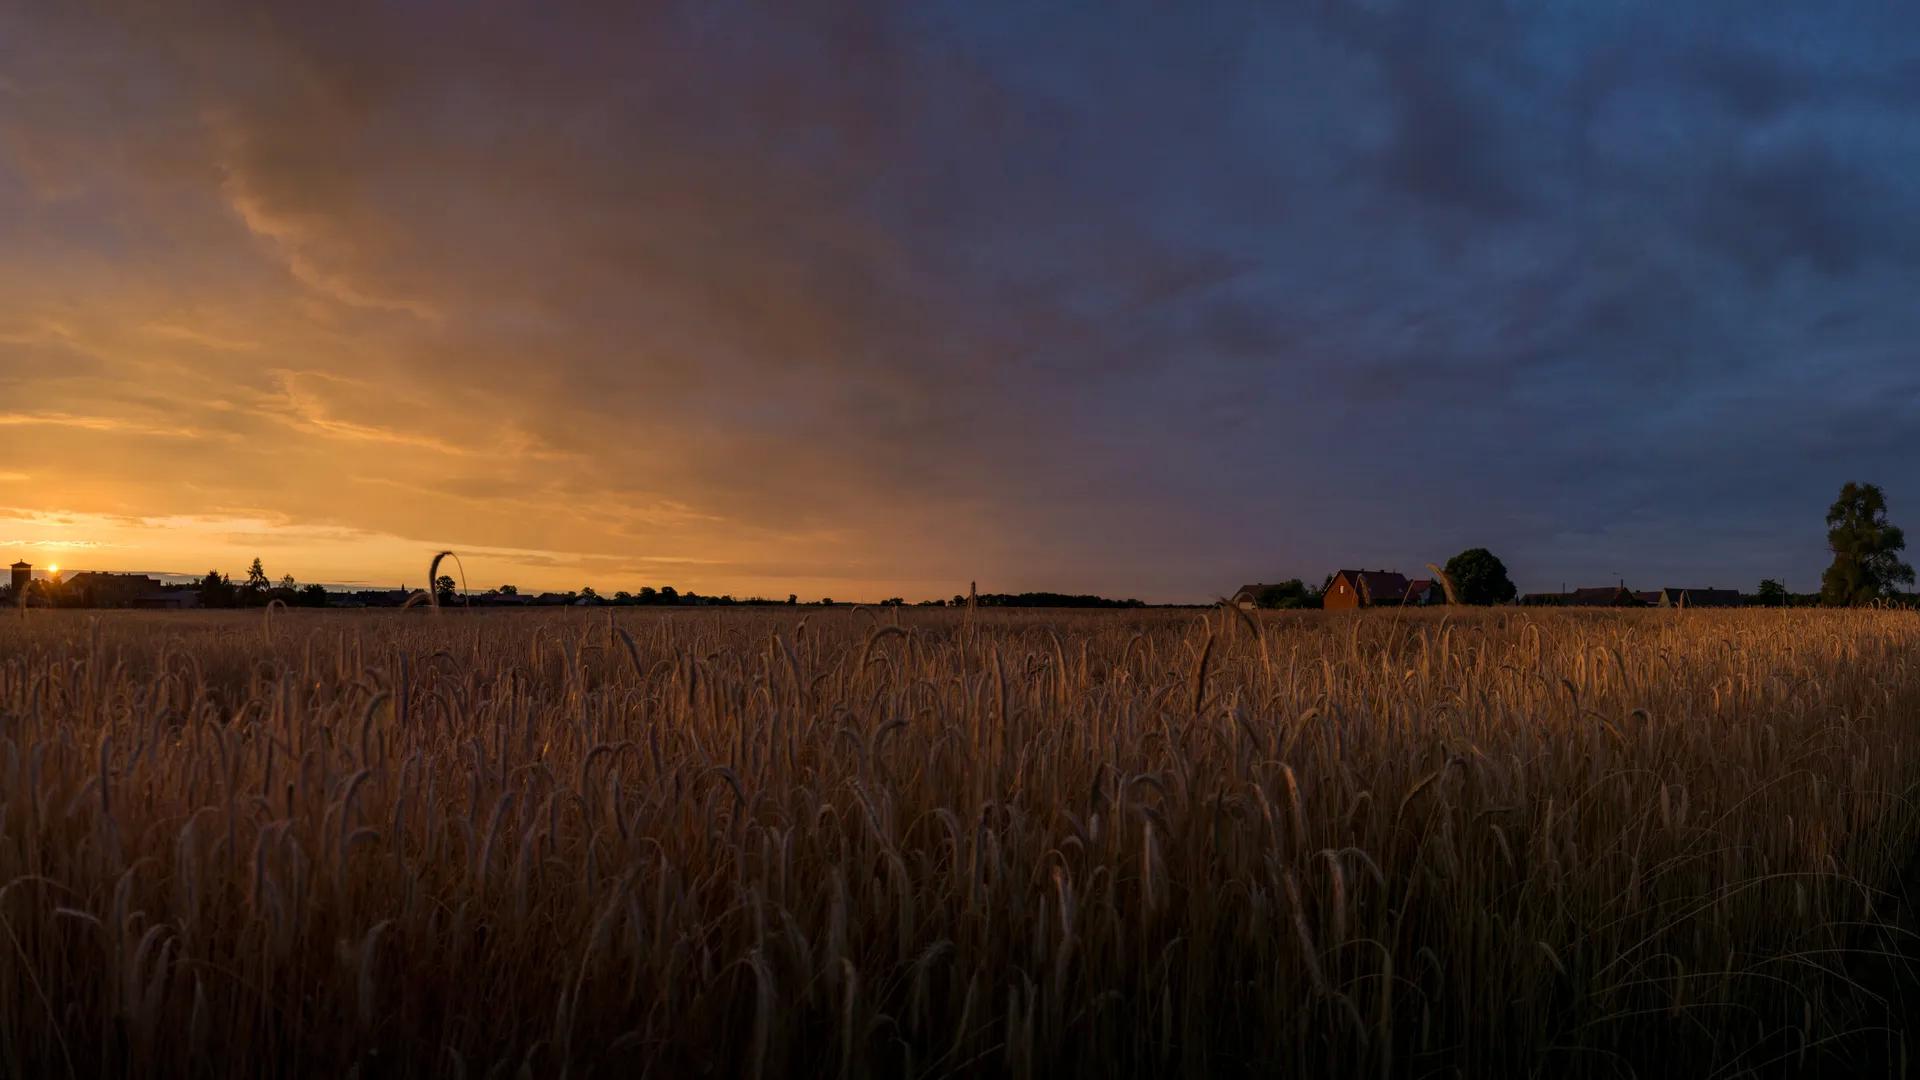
[{"x": 1048, "y": 599}]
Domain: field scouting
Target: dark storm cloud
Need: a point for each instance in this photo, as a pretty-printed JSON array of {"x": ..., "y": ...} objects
[{"x": 1139, "y": 298}]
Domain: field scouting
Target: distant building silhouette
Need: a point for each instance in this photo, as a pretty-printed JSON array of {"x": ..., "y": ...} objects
[
  {"x": 1603, "y": 596},
  {"x": 1598, "y": 596},
  {"x": 1426, "y": 591},
  {"x": 92, "y": 588},
  {"x": 1365, "y": 588},
  {"x": 22, "y": 577}
]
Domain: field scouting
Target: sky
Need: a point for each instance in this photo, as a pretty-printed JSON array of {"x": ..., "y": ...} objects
[{"x": 861, "y": 300}]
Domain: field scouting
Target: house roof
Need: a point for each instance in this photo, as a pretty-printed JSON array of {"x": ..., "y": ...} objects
[
  {"x": 1601, "y": 594},
  {"x": 1377, "y": 585},
  {"x": 1253, "y": 589}
]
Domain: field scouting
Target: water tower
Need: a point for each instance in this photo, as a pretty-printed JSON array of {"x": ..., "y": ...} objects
[{"x": 22, "y": 573}]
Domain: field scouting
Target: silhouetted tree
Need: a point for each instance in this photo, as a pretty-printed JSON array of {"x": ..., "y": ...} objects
[
  {"x": 508, "y": 590},
  {"x": 792, "y": 599},
  {"x": 216, "y": 591},
  {"x": 256, "y": 578},
  {"x": 669, "y": 594},
  {"x": 1291, "y": 593},
  {"x": 1479, "y": 577},
  {"x": 446, "y": 589},
  {"x": 1866, "y": 549},
  {"x": 313, "y": 596},
  {"x": 648, "y": 595},
  {"x": 1772, "y": 593},
  {"x": 587, "y": 593},
  {"x": 623, "y": 597}
]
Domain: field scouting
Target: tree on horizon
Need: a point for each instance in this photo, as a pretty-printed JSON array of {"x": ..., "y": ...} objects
[
  {"x": 1479, "y": 577},
  {"x": 1866, "y": 549},
  {"x": 216, "y": 590},
  {"x": 1291, "y": 593}
]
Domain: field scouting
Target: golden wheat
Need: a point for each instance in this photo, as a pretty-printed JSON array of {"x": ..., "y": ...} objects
[{"x": 954, "y": 842}]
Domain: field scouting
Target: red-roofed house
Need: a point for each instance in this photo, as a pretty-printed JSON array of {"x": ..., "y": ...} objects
[
  {"x": 1364, "y": 588},
  {"x": 1426, "y": 591}
]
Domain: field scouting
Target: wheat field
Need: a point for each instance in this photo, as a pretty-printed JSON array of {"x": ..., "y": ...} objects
[{"x": 940, "y": 843}]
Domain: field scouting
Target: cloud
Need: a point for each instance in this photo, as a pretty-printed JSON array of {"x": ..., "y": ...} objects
[
  {"x": 106, "y": 424},
  {"x": 1137, "y": 301},
  {"x": 295, "y": 241},
  {"x": 177, "y": 332}
]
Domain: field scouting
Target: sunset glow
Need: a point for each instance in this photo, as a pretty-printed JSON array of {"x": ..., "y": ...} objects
[
  {"x": 754, "y": 538},
  {"x": 889, "y": 302}
]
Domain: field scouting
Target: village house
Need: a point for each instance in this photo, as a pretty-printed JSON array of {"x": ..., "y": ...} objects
[
  {"x": 1426, "y": 591},
  {"x": 496, "y": 598},
  {"x": 1247, "y": 597},
  {"x": 1597, "y": 596},
  {"x": 1364, "y": 588},
  {"x": 91, "y": 588},
  {"x": 1603, "y": 596}
]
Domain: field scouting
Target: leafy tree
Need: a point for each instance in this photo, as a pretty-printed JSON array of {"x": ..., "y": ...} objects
[
  {"x": 892, "y": 601},
  {"x": 1772, "y": 593},
  {"x": 445, "y": 589},
  {"x": 1291, "y": 593},
  {"x": 313, "y": 596},
  {"x": 256, "y": 577},
  {"x": 587, "y": 593},
  {"x": 1479, "y": 577},
  {"x": 648, "y": 595},
  {"x": 1866, "y": 549},
  {"x": 623, "y": 597},
  {"x": 216, "y": 591},
  {"x": 508, "y": 590},
  {"x": 792, "y": 599},
  {"x": 826, "y": 601},
  {"x": 669, "y": 594}
]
